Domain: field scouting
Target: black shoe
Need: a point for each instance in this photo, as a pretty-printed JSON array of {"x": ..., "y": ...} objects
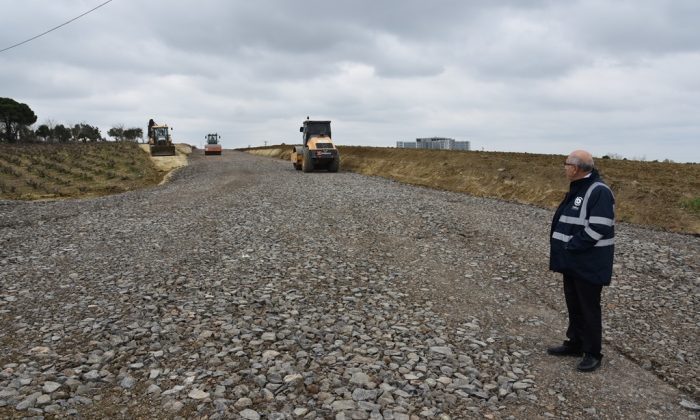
[
  {"x": 565, "y": 350},
  {"x": 589, "y": 363}
]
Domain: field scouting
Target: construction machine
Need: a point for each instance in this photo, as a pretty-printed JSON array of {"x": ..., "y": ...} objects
[
  {"x": 159, "y": 139},
  {"x": 318, "y": 150},
  {"x": 212, "y": 147}
]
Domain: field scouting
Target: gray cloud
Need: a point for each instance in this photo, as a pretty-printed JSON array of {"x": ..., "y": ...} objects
[
  {"x": 631, "y": 28},
  {"x": 536, "y": 76}
]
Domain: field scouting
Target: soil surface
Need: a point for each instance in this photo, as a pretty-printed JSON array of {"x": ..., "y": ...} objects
[
  {"x": 245, "y": 289},
  {"x": 169, "y": 163}
]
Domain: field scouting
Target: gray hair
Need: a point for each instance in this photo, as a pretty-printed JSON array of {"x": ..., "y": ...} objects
[{"x": 580, "y": 163}]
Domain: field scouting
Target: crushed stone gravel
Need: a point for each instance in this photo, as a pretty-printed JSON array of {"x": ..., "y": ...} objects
[{"x": 245, "y": 289}]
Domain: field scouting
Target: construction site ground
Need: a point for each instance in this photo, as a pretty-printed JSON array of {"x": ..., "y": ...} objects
[{"x": 243, "y": 288}]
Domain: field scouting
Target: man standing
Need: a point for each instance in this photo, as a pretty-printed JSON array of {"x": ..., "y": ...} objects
[
  {"x": 581, "y": 248},
  {"x": 151, "y": 123}
]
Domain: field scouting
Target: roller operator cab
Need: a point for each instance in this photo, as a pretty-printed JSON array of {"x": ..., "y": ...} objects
[
  {"x": 212, "y": 147},
  {"x": 318, "y": 150}
]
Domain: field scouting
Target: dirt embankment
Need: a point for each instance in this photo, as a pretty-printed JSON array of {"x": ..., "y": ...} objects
[
  {"x": 168, "y": 163},
  {"x": 74, "y": 170},
  {"x": 657, "y": 194},
  {"x": 59, "y": 171}
]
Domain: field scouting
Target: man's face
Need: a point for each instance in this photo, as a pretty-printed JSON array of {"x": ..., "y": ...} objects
[{"x": 570, "y": 170}]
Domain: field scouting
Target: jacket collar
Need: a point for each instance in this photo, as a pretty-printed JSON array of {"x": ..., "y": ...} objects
[{"x": 584, "y": 182}]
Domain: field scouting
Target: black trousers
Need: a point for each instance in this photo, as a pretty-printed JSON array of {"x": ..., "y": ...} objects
[{"x": 585, "y": 319}]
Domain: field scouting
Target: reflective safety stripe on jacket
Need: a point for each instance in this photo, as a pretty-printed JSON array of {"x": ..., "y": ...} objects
[
  {"x": 582, "y": 239},
  {"x": 567, "y": 238},
  {"x": 586, "y": 222}
]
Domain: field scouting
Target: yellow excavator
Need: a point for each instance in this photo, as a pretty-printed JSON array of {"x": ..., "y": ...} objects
[
  {"x": 161, "y": 144},
  {"x": 318, "y": 150}
]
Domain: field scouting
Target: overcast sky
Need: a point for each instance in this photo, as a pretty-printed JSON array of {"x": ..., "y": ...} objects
[{"x": 614, "y": 77}]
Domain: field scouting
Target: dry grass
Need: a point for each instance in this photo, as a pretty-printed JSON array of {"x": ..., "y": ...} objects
[
  {"x": 656, "y": 194},
  {"x": 50, "y": 171}
]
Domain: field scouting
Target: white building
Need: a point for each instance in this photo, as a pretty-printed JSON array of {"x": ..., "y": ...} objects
[{"x": 439, "y": 143}]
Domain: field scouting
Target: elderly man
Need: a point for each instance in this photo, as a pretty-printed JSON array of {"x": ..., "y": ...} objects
[{"x": 581, "y": 248}]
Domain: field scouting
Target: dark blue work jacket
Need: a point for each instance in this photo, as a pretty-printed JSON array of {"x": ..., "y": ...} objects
[{"x": 582, "y": 238}]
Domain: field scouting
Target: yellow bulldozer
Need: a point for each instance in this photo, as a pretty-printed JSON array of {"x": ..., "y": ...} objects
[
  {"x": 318, "y": 150},
  {"x": 161, "y": 144}
]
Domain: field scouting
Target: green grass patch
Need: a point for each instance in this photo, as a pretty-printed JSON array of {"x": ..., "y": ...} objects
[{"x": 693, "y": 205}]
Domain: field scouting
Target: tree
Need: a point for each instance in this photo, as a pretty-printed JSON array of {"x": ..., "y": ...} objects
[
  {"x": 92, "y": 133},
  {"x": 43, "y": 131},
  {"x": 13, "y": 117},
  {"x": 51, "y": 124},
  {"x": 26, "y": 134},
  {"x": 85, "y": 132},
  {"x": 117, "y": 132},
  {"x": 133, "y": 134},
  {"x": 61, "y": 133},
  {"x": 76, "y": 133}
]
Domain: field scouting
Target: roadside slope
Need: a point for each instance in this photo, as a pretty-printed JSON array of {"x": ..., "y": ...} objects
[{"x": 81, "y": 170}]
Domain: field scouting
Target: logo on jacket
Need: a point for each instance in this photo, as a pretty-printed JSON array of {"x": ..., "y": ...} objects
[{"x": 577, "y": 202}]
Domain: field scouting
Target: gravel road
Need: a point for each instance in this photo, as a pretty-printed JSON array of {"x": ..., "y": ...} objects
[{"x": 246, "y": 289}]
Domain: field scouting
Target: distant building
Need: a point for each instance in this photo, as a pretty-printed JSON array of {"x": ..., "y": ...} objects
[{"x": 440, "y": 143}]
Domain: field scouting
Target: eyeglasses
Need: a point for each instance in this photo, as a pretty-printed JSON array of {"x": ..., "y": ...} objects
[{"x": 569, "y": 164}]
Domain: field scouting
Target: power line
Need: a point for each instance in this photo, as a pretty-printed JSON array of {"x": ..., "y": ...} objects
[{"x": 54, "y": 28}]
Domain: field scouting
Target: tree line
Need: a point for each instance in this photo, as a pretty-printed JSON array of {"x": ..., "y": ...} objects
[{"x": 17, "y": 119}]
